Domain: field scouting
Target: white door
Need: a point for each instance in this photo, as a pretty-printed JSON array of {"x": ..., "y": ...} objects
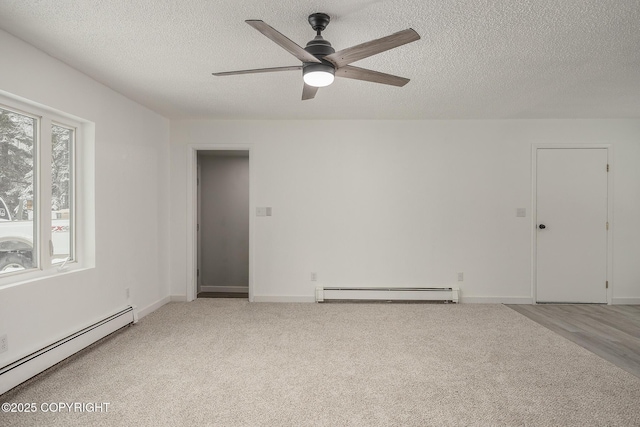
[{"x": 571, "y": 229}]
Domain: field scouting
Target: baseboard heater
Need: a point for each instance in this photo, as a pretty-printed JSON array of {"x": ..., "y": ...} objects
[
  {"x": 29, "y": 366},
  {"x": 397, "y": 294}
]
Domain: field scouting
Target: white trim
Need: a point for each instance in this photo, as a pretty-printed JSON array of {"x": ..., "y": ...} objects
[
  {"x": 625, "y": 301},
  {"x": 152, "y": 307},
  {"x": 610, "y": 193},
  {"x": 283, "y": 298},
  {"x": 198, "y": 231},
  {"x": 178, "y": 298},
  {"x": 496, "y": 300},
  {"x": 192, "y": 203},
  {"x": 238, "y": 289},
  {"x": 463, "y": 299},
  {"x": 534, "y": 220}
]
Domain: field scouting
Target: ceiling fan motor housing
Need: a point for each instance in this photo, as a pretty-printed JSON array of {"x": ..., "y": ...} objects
[{"x": 319, "y": 47}]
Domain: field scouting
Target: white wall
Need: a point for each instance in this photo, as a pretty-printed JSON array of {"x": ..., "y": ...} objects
[
  {"x": 403, "y": 202},
  {"x": 131, "y": 205},
  {"x": 224, "y": 221}
]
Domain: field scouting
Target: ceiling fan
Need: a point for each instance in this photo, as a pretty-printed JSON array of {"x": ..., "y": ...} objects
[{"x": 320, "y": 61}]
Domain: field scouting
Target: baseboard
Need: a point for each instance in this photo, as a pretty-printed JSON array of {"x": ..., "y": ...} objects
[
  {"x": 472, "y": 300},
  {"x": 304, "y": 298},
  {"x": 152, "y": 307},
  {"x": 282, "y": 298},
  {"x": 22, "y": 369},
  {"x": 156, "y": 305},
  {"x": 238, "y": 289},
  {"x": 625, "y": 301},
  {"x": 495, "y": 300}
]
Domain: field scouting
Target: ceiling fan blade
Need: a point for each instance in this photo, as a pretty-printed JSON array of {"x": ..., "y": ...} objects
[
  {"x": 370, "y": 48},
  {"x": 283, "y": 41},
  {"x": 356, "y": 73},
  {"x": 258, "y": 70},
  {"x": 309, "y": 92}
]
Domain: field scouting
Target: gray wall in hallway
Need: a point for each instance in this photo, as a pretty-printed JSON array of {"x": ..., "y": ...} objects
[{"x": 225, "y": 220}]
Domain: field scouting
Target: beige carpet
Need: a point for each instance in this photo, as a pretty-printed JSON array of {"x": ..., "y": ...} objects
[{"x": 229, "y": 362}]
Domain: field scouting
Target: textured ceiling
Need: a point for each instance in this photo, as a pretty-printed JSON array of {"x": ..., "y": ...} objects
[{"x": 477, "y": 59}]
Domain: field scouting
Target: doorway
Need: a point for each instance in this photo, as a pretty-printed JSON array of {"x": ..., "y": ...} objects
[
  {"x": 571, "y": 236},
  {"x": 222, "y": 229}
]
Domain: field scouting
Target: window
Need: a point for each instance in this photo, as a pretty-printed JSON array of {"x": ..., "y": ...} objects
[
  {"x": 18, "y": 224},
  {"x": 37, "y": 170}
]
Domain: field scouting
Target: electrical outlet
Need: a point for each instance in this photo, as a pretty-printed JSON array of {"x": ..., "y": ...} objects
[
  {"x": 4, "y": 343},
  {"x": 314, "y": 277},
  {"x": 460, "y": 277}
]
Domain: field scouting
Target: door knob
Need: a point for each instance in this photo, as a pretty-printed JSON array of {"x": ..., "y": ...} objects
[{"x": 542, "y": 226}]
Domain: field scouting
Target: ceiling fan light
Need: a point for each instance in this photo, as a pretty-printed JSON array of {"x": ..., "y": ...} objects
[
  {"x": 318, "y": 75},
  {"x": 318, "y": 78}
]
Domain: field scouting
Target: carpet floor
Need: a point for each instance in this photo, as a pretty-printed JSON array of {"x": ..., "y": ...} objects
[{"x": 232, "y": 363}]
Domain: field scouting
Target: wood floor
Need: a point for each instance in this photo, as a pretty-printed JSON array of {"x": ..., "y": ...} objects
[{"x": 610, "y": 331}]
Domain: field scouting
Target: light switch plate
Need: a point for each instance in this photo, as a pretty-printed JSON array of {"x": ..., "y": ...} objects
[{"x": 264, "y": 211}]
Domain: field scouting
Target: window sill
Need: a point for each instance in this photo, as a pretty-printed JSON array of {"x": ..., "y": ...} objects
[{"x": 23, "y": 277}]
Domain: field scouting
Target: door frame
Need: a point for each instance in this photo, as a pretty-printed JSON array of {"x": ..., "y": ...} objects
[
  {"x": 534, "y": 211},
  {"x": 192, "y": 212}
]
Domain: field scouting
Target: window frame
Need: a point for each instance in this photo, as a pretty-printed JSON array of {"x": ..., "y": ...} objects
[
  {"x": 42, "y": 175},
  {"x": 65, "y": 123}
]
